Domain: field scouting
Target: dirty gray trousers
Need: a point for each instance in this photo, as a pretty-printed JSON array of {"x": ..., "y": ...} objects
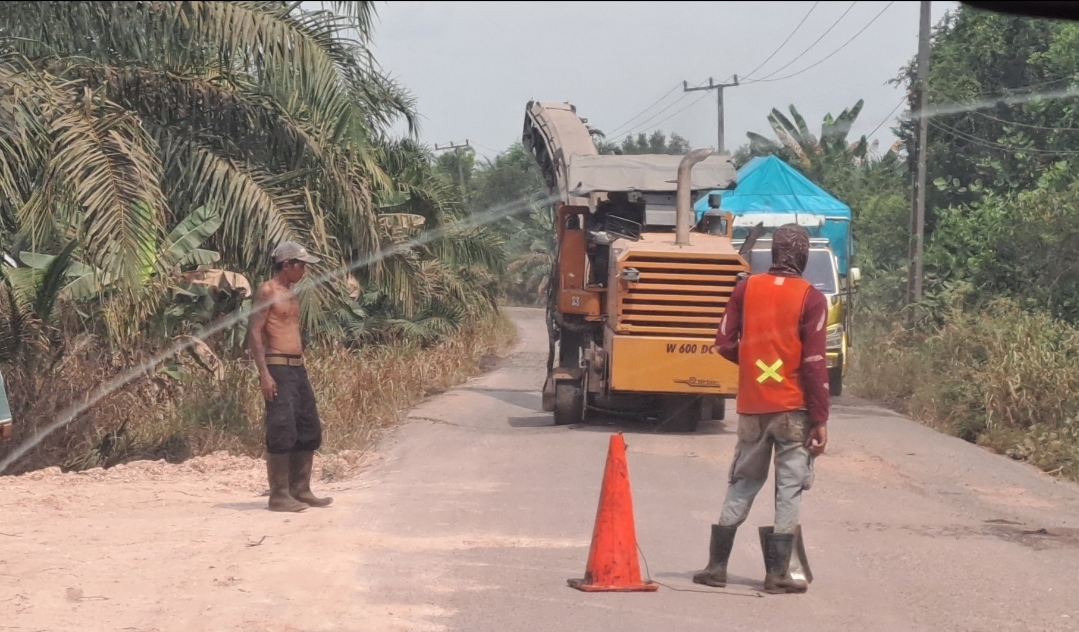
[{"x": 757, "y": 436}]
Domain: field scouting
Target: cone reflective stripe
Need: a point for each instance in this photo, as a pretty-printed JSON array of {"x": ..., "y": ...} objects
[{"x": 612, "y": 559}]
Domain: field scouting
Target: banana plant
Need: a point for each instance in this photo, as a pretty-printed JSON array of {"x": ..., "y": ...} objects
[
  {"x": 28, "y": 299},
  {"x": 203, "y": 297},
  {"x": 798, "y": 144},
  {"x": 181, "y": 250}
]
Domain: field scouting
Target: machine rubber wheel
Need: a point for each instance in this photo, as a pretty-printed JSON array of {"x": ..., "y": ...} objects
[
  {"x": 835, "y": 381},
  {"x": 680, "y": 414},
  {"x": 568, "y": 403},
  {"x": 719, "y": 408},
  {"x": 713, "y": 408}
]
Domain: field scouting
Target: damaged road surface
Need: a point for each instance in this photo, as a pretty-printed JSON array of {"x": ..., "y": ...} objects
[
  {"x": 487, "y": 509},
  {"x": 473, "y": 515}
]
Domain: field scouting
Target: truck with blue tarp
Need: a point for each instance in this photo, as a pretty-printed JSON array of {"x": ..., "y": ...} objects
[{"x": 772, "y": 193}]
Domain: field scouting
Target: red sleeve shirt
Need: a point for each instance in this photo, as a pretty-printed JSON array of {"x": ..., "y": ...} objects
[{"x": 813, "y": 331}]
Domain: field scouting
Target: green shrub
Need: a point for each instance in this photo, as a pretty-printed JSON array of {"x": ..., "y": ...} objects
[
  {"x": 1002, "y": 377},
  {"x": 359, "y": 393}
]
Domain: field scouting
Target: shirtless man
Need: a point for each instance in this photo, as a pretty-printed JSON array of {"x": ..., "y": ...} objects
[{"x": 293, "y": 430}]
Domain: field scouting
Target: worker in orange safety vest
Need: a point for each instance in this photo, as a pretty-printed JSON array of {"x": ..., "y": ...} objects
[{"x": 774, "y": 328}]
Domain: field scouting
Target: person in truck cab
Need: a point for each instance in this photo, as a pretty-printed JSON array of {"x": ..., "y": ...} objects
[{"x": 774, "y": 329}]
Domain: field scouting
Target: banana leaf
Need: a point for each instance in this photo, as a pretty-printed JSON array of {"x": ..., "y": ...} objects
[{"x": 185, "y": 239}]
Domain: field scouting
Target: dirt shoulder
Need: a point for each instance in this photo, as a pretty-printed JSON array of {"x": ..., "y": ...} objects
[{"x": 152, "y": 546}]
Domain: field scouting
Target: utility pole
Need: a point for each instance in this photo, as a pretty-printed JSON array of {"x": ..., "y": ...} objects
[
  {"x": 460, "y": 169},
  {"x": 718, "y": 87},
  {"x": 917, "y": 219}
]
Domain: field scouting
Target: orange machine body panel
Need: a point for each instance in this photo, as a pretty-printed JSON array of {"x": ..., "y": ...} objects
[{"x": 574, "y": 295}]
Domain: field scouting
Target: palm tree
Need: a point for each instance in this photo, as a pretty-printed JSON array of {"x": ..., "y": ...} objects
[
  {"x": 120, "y": 119},
  {"x": 533, "y": 248}
]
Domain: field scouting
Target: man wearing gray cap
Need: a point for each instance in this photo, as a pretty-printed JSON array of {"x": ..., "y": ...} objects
[{"x": 293, "y": 429}]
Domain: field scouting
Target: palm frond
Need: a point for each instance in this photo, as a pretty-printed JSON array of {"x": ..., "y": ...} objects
[
  {"x": 256, "y": 215},
  {"x": 121, "y": 120},
  {"x": 102, "y": 160}
]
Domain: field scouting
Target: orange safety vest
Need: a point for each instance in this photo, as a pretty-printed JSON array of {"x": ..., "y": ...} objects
[{"x": 770, "y": 348}]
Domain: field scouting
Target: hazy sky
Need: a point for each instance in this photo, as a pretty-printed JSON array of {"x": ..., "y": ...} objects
[{"x": 474, "y": 66}]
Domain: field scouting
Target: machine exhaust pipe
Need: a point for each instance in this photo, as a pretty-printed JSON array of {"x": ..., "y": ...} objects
[{"x": 684, "y": 213}]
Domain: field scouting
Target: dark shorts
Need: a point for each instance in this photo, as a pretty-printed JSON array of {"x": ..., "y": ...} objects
[{"x": 292, "y": 423}]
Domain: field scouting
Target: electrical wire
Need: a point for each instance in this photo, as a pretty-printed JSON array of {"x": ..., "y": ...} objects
[
  {"x": 998, "y": 146},
  {"x": 1040, "y": 84},
  {"x": 496, "y": 151},
  {"x": 810, "y": 47},
  {"x": 811, "y": 9},
  {"x": 886, "y": 118},
  {"x": 943, "y": 109},
  {"x": 661, "y": 121},
  {"x": 1018, "y": 124},
  {"x": 657, "y": 102},
  {"x": 833, "y": 53},
  {"x": 638, "y": 127}
]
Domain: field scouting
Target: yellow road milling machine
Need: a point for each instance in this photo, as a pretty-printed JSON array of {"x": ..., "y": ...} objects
[{"x": 637, "y": 288}]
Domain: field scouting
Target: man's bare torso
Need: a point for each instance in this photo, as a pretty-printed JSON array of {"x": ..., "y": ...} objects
[{"x": 282, "y": 329}]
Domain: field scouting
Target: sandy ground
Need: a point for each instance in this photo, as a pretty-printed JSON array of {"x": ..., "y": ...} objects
[
  {"x": 473, "y": 514},
  {"x": 152, "y": 546}
]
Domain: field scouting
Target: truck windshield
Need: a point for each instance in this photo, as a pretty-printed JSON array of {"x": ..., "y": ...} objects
[{"x": 819, "y": 270}]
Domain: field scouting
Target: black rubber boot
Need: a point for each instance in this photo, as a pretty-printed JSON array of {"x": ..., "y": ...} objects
[
  {"x": 277, "y": 471},
  {"x": 719, "y": 551},
  {"x": 777, "y": 559},
  {"x": 299, "y": 479}
]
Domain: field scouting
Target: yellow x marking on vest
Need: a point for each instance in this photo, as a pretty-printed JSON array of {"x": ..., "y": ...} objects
[{"x": 769, "y": 371}]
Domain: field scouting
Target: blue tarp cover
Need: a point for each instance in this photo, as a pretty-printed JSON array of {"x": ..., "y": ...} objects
[{"x": 769, "y": 185}]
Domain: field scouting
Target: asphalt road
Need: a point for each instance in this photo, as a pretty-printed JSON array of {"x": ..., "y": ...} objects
[{"x": 482, "y": 509}]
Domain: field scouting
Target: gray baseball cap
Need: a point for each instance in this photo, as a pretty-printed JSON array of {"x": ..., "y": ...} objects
[{"x": 292, "y": 251}]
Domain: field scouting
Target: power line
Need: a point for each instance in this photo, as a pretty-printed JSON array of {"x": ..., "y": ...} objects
[
  {"x": 658, "y": 101},
  {"x": 1018, "y": 124},
  {"x": 497, "y": 151},
  {"x": 833, "y": 53},
  {"x": 637, "y": 127},
  {"x": 1040, "y": 84},
  {"x": 810, "y": 47},
  {"x": 671, "y": 115},
  {"x": 811, "y": 9},
  {"x": 996, "y": 97},
  {"x": 998, "y": 146},
  {"x": 946, "y": 109},
  {"x": 886, "y": 118}
]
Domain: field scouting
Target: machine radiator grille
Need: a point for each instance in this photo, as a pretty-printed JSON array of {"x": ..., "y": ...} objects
[{"x": 675, "y": 295}]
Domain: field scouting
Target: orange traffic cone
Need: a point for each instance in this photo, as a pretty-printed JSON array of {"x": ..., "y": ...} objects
[{"x": 612, "y": 560}]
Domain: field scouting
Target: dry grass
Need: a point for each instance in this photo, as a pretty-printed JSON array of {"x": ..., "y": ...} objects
[
  {"x": 1002, "y": 377},
  {"x": 359, "y": 394}
]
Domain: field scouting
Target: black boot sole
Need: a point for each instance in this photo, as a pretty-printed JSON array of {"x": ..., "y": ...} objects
[{"x": 792, "y": 590}]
